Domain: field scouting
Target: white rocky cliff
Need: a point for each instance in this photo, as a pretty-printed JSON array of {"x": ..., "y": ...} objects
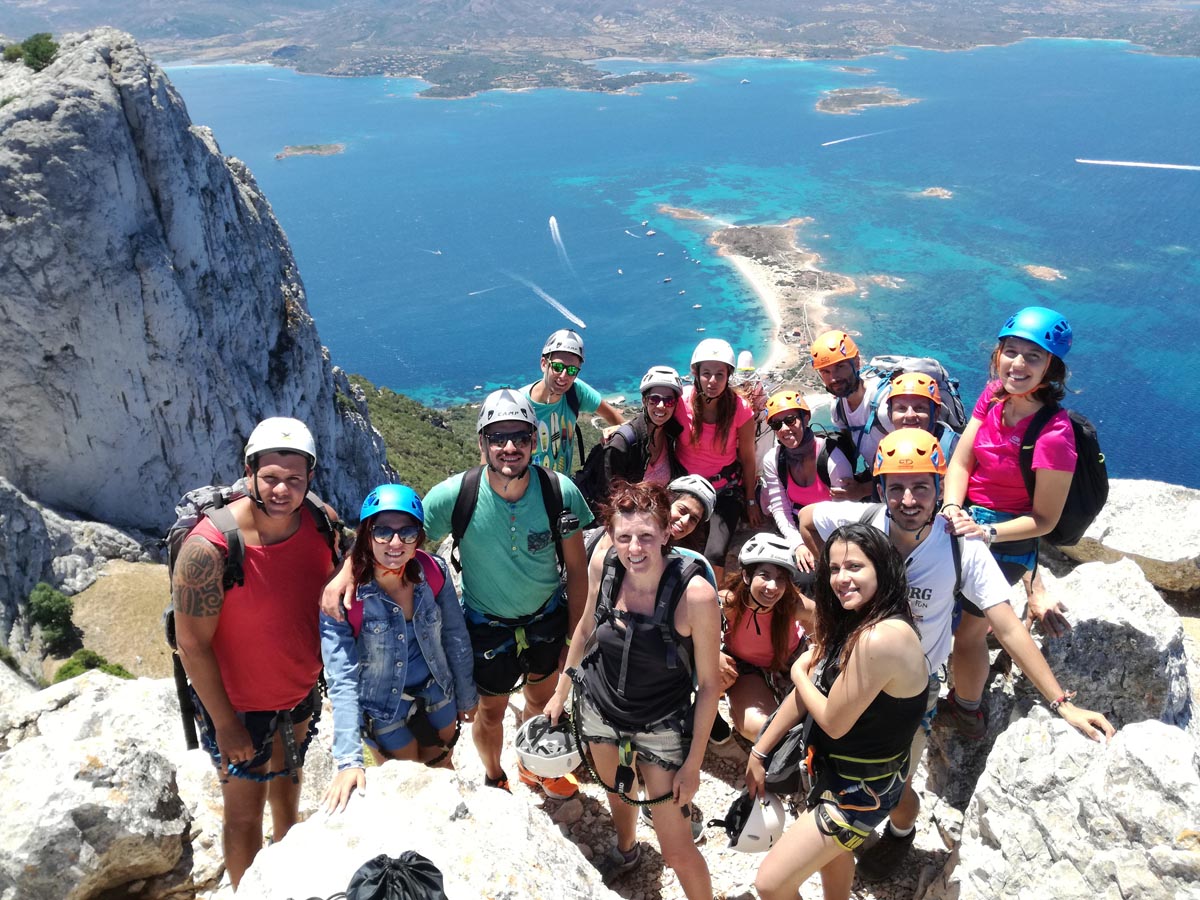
[{"x": 150, "y": 307}]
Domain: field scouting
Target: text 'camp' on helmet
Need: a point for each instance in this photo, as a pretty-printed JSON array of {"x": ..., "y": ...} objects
[
  {"x": 564, "y": 341},
  {"x": 505, "y": 405}
]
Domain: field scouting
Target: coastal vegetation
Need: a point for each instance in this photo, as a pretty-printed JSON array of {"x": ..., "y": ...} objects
[
  {"x": 36, "y": 51},
  {"x": 83, "y": 660},
  {"x": 51, "y": 611}
]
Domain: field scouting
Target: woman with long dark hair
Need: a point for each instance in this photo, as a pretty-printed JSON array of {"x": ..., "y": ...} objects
[
  {"x": 401, "y": 654},
  {"x": 862, "y": 684},
  {"x": 986, "y": 493},
  {"x": 718, "y": 443}
]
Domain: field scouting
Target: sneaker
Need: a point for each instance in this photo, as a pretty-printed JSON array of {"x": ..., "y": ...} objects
[
  {"x": 563, "y": 788},
  {"x": 501, "y": 782},
  {"x": 970, "y": 723},
  {"x": 721, "y": 733},
  {"x": 616, "y": 862},
  {"x": 883, "y": 858},
  {"x": 697, "y": 827}
]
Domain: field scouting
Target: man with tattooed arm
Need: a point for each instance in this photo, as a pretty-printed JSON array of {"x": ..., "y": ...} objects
[{"x": 252, "y": 649}]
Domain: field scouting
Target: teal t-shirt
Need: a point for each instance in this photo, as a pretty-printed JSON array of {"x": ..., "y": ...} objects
[
  {"x": 510, "y": 568},
  {"x": 556, "y": 427}
]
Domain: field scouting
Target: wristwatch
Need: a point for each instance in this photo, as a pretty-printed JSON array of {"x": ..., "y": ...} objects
[{"x": 989, "y": 535}]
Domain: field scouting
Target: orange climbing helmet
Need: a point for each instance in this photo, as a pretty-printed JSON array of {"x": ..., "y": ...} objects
[
  {"x": 784, "y": 401},
  {"x": 909, "y": 450},
  {"x": 916, "y": 384},
  {"x": 831, "y": 348}
]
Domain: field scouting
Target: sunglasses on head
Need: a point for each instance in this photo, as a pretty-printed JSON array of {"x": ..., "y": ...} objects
[
  {"x": 790, "y": 419},
  {"x": 522, "y": 438},
  {"x": 383, "y": 534},
  {"x": 660, "y": 399},
  {"x": 558, "y": 368}
]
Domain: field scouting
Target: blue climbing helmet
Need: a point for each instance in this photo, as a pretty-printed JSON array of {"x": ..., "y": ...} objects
[
  {"x": 393, "y": 498},
  {"x": 1046, "y": 328}
]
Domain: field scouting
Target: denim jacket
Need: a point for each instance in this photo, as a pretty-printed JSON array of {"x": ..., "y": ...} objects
[{"x": 367, "y": 674}]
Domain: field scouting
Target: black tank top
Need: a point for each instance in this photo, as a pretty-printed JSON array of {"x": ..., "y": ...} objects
[
  {"x": 657, "y": 678},
  {"x": 883, "y": 731}
]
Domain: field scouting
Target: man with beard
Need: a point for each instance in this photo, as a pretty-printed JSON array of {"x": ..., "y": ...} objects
[{"x": 837, "y": 360}]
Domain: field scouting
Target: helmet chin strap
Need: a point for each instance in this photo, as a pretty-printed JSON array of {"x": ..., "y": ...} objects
[
  {"x": 254, "y": 495},
  {"x": 887, "y": 511}
]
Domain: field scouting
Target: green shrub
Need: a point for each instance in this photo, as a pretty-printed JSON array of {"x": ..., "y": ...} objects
[
  {"x": 13, "y": 52},
  {"x": 38, "y": 50},
  {"x": 83, "y": 660},
  {"x": 9, "y": 660},
  {"x": 51, "y": 610}
]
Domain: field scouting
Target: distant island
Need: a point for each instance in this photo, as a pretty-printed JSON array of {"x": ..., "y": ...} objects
[
  {"x": 940, "y": 193},
  {"x": 849, "y": 101},
  {"x": 310, "y": 150}
]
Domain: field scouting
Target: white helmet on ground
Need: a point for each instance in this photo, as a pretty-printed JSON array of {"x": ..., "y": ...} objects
[
  {"x": 548, "y": 751},
  {"x": 700, "y": 488},
  {"x": 661, "y": 376},
  {"x": 714, "y": 349},
  {"x": 280, "y": 433},
  {"x": 564, "y": 341},
  {"x": 769, "y": 548},
  {"x": 505, "y": 405},
  {"x": 754, "y": 824}
]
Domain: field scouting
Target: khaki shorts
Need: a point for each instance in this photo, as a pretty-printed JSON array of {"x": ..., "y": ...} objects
[{"x": 666, "y": 746}]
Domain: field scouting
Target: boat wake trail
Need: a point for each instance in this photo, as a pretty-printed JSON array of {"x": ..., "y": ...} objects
[
  {"x": 484, "y": 291},
  {"x": 1137, "y": 165},
  {"x": 570, "y": 316},
  {"x": 857, "y": 137},
  {"x": 558, "y": 245}
]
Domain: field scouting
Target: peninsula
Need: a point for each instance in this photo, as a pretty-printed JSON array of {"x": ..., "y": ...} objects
[
  {"x": 310, "y": 150},
  {"x": 791, "y": 286}
]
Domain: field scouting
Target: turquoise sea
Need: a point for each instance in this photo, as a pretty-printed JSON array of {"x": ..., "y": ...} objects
[{"x": 418, "y": 242}]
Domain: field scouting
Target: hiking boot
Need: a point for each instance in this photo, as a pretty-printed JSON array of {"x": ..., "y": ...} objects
[
  {"x": 884, "y": 857},
  {"x": 697, "y": 827},
  {"x": 563, "y": 788},
  {"x": 501, "y": 782},
  {"x": 721, "y": 733},
  {"x": 970, "y": 723},
  {"x": 616, "y": 862}
]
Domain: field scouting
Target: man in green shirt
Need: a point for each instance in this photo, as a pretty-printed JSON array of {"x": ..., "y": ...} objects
[{"x": 519, "y": 607}]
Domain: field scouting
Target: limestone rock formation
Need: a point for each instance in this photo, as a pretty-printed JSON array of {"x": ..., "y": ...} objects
[
  {"x": 152, "y": 307},
  {"x": 1125, "y": 655},
  {"x": 37, "y": 544},
  {"x": 1156, "y": 525},
  {"x": 1056, "y": 815},
  {"x": 486, "y": 842}
]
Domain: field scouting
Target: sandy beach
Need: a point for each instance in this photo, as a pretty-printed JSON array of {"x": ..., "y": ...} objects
[{"x": 788, "y": 282}]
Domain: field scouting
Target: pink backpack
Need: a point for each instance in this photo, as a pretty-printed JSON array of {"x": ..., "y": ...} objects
[{"x": 433, "y": 577}]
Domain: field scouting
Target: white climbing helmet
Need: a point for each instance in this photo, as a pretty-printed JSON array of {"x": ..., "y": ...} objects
[
  {"x": 505, "y": 405},
  {"x": 280, "y": 433},
  {"x": 661, "y": 376},
  {"x": 700, "y": 488},
  {"x": 548, "y": 751},
  {"x": 564, "y": 341},
  {"x": 754, "y": 824},
  {"x": 769, "y": 548},
  {"x": 714, "y": 349}
]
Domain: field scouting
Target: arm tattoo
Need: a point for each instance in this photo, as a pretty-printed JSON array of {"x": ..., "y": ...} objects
[{"x": 197, "y": 585}]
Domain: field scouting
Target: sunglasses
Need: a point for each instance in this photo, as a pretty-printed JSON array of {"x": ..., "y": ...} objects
[
  {"x": 382, "y": 534},
  {"x": 558, "y": 368},
  {"x": 667, "y": 400},
  {"x": 790, "y": 419},
  {"x": 521, "y": 438}
]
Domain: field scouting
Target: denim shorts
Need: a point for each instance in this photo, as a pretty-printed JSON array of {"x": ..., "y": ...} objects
[
  {"x": 860, "y": 805},
  {"x": 1014, "y": 557},
  {"x": 665, "y": 746},
  {"x": 391, "y": 736}
]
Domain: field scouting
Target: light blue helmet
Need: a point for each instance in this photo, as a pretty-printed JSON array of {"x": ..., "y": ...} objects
[
  {"x": 1046, "y": 328},
  {"x": 393, "y": 498}
]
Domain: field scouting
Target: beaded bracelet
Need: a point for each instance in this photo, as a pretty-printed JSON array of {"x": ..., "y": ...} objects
[
  {"x": 1065, "y": 698},
  {"x": 946, "y": 506}
]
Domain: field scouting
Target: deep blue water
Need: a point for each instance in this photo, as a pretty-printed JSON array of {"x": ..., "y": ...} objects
[{"x": 478, "y": 179}]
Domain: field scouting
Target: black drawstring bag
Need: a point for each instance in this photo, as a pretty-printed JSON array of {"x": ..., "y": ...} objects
[{"x": 410, "y": 877}]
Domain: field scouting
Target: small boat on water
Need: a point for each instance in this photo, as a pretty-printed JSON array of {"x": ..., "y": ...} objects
[
  {"x": 660, "y": 253},
  {"x": 695, "y": 306},
  {"x": 645, "y": 222},
  {"x": 699, "y": 329},
  {"x": 667, "y": 280},
  {"x": 745, "y": 81},
  {"x": 681, "y": 293},
  {"x": 651, "y": 233}
]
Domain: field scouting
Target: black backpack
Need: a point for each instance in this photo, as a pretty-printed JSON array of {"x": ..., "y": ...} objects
[
  {"x": 560, "y": 518},
  {"x": 591, "y": 479},
  {"x": 1089, "y": 484},
  {"x": 212, "y": 502}
]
